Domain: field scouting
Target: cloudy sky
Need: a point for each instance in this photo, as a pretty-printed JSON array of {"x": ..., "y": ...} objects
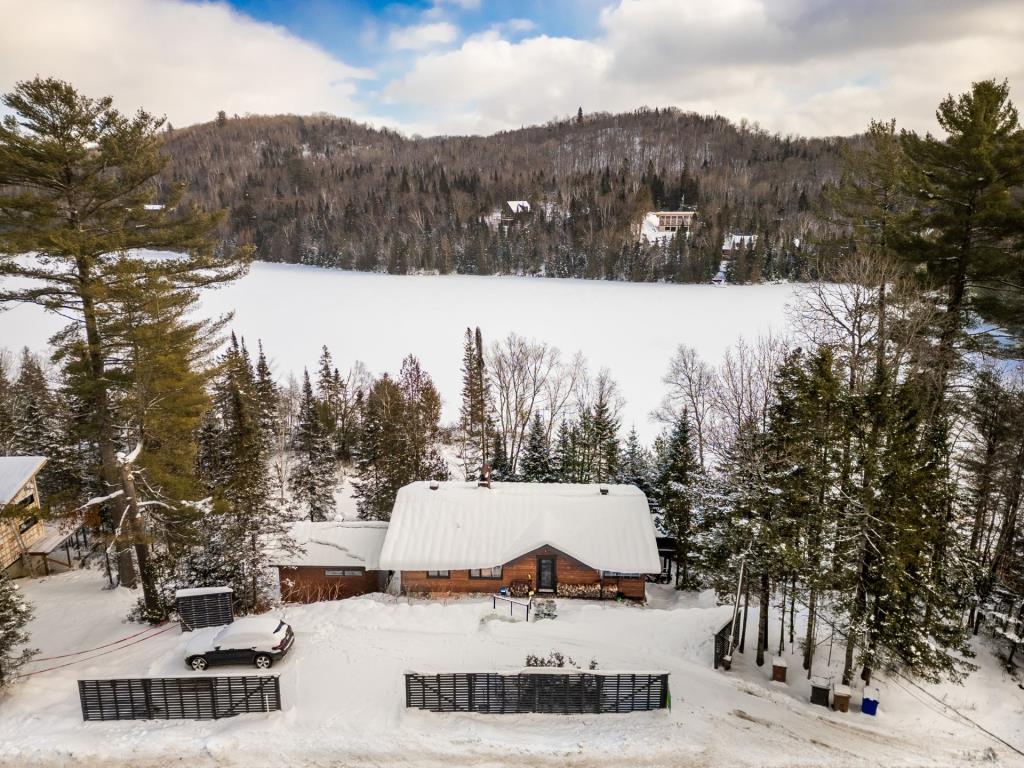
[{"x": 812, "y": 67}]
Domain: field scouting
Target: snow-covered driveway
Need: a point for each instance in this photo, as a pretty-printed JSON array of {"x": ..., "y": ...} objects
[{"x": 343, "y": 694}]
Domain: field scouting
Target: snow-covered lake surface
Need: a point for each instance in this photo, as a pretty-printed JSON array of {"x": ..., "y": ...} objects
[
  {"x": 632, "y": 329},
  {"x": 344, "y": 705}
]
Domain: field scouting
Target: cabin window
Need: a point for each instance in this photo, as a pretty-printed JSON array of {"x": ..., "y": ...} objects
[
  {"x": 27, "y": 501},
  {"x": 27, "y": 523},
  {"x": 437, "y": 574},
  {"x": 343, "y": 572},
  {"x": 619, "y": 575},
  {"x": 485, "y": 573}
]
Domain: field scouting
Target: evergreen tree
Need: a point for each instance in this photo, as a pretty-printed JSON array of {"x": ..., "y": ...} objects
[
  {"x": 971, "y": 222},
  {"x": 241, "y": 521},
  {"x": 77, "y": 176},
  {"x": 535, "y": 461},
  {"x": 674, "y": 494},
  {"x": 15, "y": 614},
  {"x": 313, "y": 476},
  {"x": 635, "y": 464},
  {"x": 382, "y": 463},
  {"x": 563, "y": 459},
  {"x": 474, "y": 414}
]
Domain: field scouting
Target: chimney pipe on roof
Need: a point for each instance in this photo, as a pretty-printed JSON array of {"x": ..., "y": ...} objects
[
  {"x": 604, "y": 490},
  {"x": 434, "y": 485},
  {"x": 485, "y": 477}
]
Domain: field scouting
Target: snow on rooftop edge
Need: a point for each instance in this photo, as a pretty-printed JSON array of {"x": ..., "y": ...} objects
[
  {"x": 15, "y": 471},
  {"x": 461, "y": 525},
  {"x": 199, "y": 591},
  {"x": 335, "y": 544}
]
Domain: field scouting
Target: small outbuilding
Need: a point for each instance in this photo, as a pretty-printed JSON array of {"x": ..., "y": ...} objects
[
  {"x": 564, "y": 540},
  {"x": 21, "y": 528},
  {"x": 332, "y": 560}
]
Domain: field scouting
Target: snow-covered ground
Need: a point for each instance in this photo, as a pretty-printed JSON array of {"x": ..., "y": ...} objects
[
  {"x": 630, "y": 328},
  {"x": 343, "y": 694}
]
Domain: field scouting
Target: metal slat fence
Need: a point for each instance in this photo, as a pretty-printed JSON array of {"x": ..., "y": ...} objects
[
  {"x": 722, "y": 643},
  {"x": 178, "y": 698},
  {"x": 556, "y": 693}
]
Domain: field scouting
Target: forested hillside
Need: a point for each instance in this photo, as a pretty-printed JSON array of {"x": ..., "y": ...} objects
[{"x": 328, "y": 191}]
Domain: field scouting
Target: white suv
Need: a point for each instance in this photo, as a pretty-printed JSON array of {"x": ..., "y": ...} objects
[{"x": 259, "y": 640}]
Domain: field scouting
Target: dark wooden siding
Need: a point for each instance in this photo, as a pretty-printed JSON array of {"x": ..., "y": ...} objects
[
  {"x": 310, "y": 584},
  {"x": 568, "y": 571}
]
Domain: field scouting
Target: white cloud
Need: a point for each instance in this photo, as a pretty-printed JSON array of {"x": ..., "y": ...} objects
[
  {"x": 421, "y": 37},
  {"x": 186, "y": 60},
  {"x": 803, "y": 66}
]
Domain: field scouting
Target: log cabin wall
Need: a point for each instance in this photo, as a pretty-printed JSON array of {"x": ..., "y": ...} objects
[
  {"x": 568, "y": 571},
  {"x": 310, "y": 584}
]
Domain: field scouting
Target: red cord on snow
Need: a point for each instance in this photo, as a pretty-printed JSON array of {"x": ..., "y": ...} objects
[
  {"x": 98, "y": 647},
  {"x": 90, "y": 658}
]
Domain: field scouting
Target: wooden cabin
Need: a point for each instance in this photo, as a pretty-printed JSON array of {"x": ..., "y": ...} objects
[
  {"x": 555, "y": 539},
  {"x": 332, "y": 561},
  {"x": 20, "y": 526}
]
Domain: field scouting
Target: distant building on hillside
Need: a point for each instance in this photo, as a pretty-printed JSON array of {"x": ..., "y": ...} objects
[
  {"x": 664, "y": 225},
  {"x": 515, "y": 211}
]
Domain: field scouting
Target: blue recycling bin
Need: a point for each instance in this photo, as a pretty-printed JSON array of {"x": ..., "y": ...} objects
[{"x": 869, "y": 705}]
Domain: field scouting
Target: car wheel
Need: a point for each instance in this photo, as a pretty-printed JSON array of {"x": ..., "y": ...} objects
[
  {"x": 263, "y": 661},
  {"x": 198, "y": 663}
]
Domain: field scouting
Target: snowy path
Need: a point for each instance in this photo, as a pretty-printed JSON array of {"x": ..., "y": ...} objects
[{"x": 344, "y": 702}]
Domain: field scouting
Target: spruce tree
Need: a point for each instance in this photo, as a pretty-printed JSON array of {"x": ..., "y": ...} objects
[
  {"x": 15, "y": 614},
  {"x": 674, "y": 491},
  {"x": 474, "y": 413},
  {"x": 635, "y": 464},
  {"x": 382, "y": 463},
  {"x": 313, "y": 476},
  {"x": 535, "y": 461}
]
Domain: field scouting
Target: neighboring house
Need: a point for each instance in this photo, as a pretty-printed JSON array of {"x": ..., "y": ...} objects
[
  {"x": 332, "y": 561},
  {"x": 663, "y": 225},
  {"x": 546, "y": 538},
  {"x": 20, "y": 528}
]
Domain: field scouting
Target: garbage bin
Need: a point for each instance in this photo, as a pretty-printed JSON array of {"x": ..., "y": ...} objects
[
  {"x": 819, "y": 691},
  {"x": 869, "y": 704},
  {"x": 841, "y": 698},
  {"x": 778, "y": 670}
]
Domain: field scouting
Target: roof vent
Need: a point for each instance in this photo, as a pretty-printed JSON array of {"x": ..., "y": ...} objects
[
  {"x": 434, "y": 485},
  {"x": 485, "y": 477},
  {"x": 604, "y": 490}
]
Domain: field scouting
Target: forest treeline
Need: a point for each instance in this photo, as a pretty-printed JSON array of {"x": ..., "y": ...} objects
[{"x": 327, "y": 191}]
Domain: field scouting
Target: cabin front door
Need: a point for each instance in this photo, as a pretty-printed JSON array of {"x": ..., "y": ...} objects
[{"x": 546, "y": 574}]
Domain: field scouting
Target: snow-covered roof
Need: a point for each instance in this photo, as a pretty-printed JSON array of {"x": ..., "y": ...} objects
[
  {"x": 348, "y": 544},
  {"x": 461, "y": 525},
  {"x": 15, "y": 471},
  {"x": 200, "y": 591},
  {"x": 519, "y": 206}
]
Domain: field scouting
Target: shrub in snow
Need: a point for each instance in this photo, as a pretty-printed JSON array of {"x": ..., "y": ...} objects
[
  {"x": 15, "y": 615},
  {"x": 556, "y": 659}
]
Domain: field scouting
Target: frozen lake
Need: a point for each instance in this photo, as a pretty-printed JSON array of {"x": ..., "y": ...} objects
[{"x": 630, "y": 328}]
